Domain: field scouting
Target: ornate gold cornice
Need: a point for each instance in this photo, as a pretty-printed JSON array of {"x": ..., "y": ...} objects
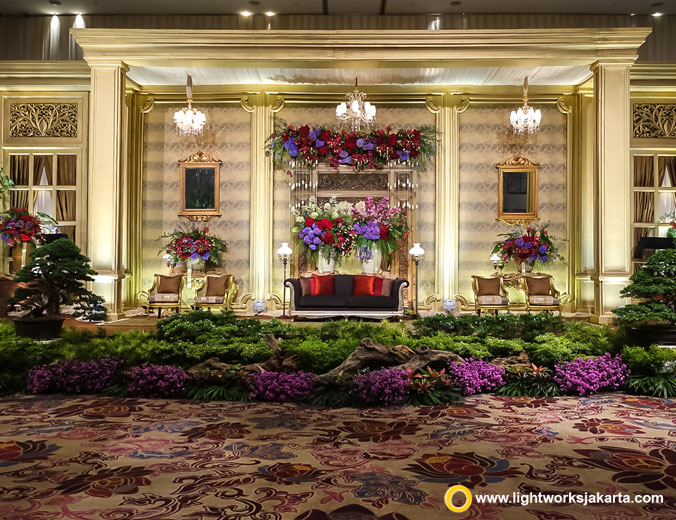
[
  {"x": 654, "y": 120},
  {"x": 517, "y": 160},
  {"x": 359, "y": 47},
  {"x": 200, "y": 157}
]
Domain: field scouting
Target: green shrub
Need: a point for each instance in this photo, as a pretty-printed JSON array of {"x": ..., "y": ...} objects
[
  {"x": 549, "y": 349},
  {"x": 319, "y": 356},
  {"x": 462, "y": 345},
  {"x": 647, "y": 361},
  {"x": 17, "y": 356},
  {"x": 506, "y": 326},
  {"x": 660, "y": 385},
  {"x": 527, "y": 381}
]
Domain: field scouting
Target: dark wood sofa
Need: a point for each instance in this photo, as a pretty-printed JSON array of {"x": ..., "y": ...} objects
[{"x": 344, "y": 303}]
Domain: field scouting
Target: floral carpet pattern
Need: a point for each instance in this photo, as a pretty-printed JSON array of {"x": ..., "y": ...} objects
[{"x": 93, "y": 457}]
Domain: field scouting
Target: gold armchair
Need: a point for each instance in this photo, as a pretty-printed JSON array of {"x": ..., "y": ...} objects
[
  {"x": 541, "y": 295},
  {"x": 489, "y": 294},
  {"x": 215, "y": 292},
  {"x": 165, "y": 293}
]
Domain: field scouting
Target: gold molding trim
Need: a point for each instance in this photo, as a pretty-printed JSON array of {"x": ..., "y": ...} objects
[
  {"x": 278, "y": 105},
  {"x": 517, "y": 160},
  {"x": 200, "y": 157},
  {"x": 246, "y": 105},
  {"x": 462, "y": 105},
  {"x": 654, "y": 120},
  {"x": 431, "y": 105},
  {"x": 43, "y": 119},
  {"x": 563, "y": 107},
  {"x": 148, "y": 104}
]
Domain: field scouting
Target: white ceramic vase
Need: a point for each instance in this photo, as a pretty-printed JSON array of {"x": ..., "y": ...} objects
[
  {"x": 326, "y": 265},
  {"x": 372, "y": 265}
]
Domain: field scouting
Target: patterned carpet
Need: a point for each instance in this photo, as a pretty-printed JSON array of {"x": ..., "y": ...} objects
[{"x": 117, "y": 459}]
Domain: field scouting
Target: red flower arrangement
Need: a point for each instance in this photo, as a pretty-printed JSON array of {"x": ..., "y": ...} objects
[
  {"x": 361, "y": 150},
  {"x": 190, "y": 243},
  {"x": 18, "y": 226},
  {"x": 534, "y": 244}
]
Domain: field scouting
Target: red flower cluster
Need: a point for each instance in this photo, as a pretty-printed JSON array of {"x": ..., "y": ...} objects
[
  {"x": 18, "y": 226},
  {"x": 532, "y": 244},
  {"x": 373, "y": 149}
]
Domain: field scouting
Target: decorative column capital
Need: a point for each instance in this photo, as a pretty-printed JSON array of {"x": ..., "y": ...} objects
[
  {"x": 103, "y": 63},
  {"x": 612, "y": 62}
]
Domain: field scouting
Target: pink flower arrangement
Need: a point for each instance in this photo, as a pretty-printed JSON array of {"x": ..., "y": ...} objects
[{"x": 377, "y": 225}]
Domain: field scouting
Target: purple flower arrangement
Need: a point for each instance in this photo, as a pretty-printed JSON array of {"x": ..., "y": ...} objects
[
  {"x": 157, "y": 381},
  {"x": 385, "y": 387},
  {"x": 73, "y": 377},
  {"x": 281, "y": 386},
  {"x": 587, "y": 376},
  {"x": 475, "y": 376}
]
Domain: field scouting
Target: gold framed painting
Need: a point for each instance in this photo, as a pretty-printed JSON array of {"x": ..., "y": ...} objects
[
  {"x": 200, "y": 187},
  {"x": 518, "y": 190}
]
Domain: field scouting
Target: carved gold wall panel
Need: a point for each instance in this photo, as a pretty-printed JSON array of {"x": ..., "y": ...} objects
[
  {"x": 43, "y": 119},
  {"x": 654, "y": 120}
]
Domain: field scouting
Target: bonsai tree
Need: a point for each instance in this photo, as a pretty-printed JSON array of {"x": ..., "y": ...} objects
[
  {"x": 655, "y": 283},
  {"x": 56, "y": 276}
]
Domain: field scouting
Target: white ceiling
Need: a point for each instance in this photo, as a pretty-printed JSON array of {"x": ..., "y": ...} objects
[
  {"x": 572, "y": 75},
  {"x": 335, "y": 7}
]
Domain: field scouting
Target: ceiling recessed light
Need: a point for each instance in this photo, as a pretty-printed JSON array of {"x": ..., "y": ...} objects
[
  {"x": 270, "y": 13},
  {"x": 55, "y": 2},
  {"x": 657, "y": 15},
  {"x": 245, "y": 13}
]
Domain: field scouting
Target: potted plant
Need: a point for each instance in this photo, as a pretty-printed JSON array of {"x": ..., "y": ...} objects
[
  {"x": 55, "y": 276},
  {"x": 528, "y": 246},
  {"x": 653, "y": 319},
  {"x": 189, "y": 245},
  {"x": 22, "y": 231},
  {"x": 324, "y": 232},
  {"x": 381, "y": 230}
]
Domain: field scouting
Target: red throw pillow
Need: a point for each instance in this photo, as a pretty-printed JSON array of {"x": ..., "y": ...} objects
[
  {"x": 378, "y": 286},
  {"x": 313, "y": 286},
  {"x": 363, "y": 285},
  {"x": 324, "y": 285}
]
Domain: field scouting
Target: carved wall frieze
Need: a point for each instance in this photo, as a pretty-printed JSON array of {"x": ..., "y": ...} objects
[
  {"x": 43, "y": 119},
  {"x": 654, "y": 120}
]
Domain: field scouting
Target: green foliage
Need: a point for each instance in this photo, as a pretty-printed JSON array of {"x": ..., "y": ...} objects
[
  {"x": 465, "y": 346},
  {"x": 219, "y": 393},
  {"x": 58, "y": 272},
  {"x": 647, "y": 361},
  {"x": 655, "y": 282},
  {"x": 319, "y": 356},
  {"x": 117, "y": 390},
  {"x": 334, "y": 392},
  {"x": 660, "y": 385},
  {"x": 529, "y": 381},
  {"x": 430, "y": 388},
  {"x": 549, "y": 349},
  {"x": 17, "y": 356},
  {"x": 506, "y": 326},
  {"x": 91, "y": 307}
]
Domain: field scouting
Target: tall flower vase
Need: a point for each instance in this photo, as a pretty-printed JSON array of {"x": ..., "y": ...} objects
[
  {"x": 326, "y": 265},
  {"x": 371, "y": 265},
  {"x": 21, "y": 255}
]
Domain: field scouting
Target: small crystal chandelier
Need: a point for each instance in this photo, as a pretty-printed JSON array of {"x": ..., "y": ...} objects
[
  {"x": 525, "y": 120},
  {"x": 356, "y": 110},
  {"x": 188, "y": 120}
]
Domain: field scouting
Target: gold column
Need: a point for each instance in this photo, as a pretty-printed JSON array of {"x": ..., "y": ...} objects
[
  {"x": 105, "y": 183},
  {"x": 447, "y": 110},
  {"x": 260, "y": 231},
  {"x": 613, "y": 184},
  {"x": 585, "y": 213}
]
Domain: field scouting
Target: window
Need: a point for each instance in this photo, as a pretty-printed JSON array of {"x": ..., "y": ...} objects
[
  {"x": 47, "y": 183},
  {"x": 654, "y": 199}
]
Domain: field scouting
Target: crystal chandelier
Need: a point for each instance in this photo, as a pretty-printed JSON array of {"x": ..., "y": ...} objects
[
  {"x": 525, "y": 120},
  {"x": 189, "y": 121},
  {"x": 356, "y": 110}
]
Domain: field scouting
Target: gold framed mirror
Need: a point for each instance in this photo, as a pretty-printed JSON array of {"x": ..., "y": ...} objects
[
  {"x": 518, "y": 190},
  {"x": 200, "y": 187}
]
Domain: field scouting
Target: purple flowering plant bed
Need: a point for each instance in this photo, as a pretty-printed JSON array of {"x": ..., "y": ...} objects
[
  {"x": 591, "y": 375},
  {"x": 281, "y": 386},
  {"x": 475, "y": 376},
  {"x": 157, "y": 381},
  {"x": 383, "y": 387},
  {"x": 74, "y": 377}
]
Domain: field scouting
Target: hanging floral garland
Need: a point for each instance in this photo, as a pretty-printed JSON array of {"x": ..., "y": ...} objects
[{"x": 292, "y": 146}]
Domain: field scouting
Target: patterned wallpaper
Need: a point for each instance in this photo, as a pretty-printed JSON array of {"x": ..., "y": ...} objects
[
  {"x": 486, "y": 140},
  {"x": 226, "y": 137},
  {"x": 395, "y": 117}
]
